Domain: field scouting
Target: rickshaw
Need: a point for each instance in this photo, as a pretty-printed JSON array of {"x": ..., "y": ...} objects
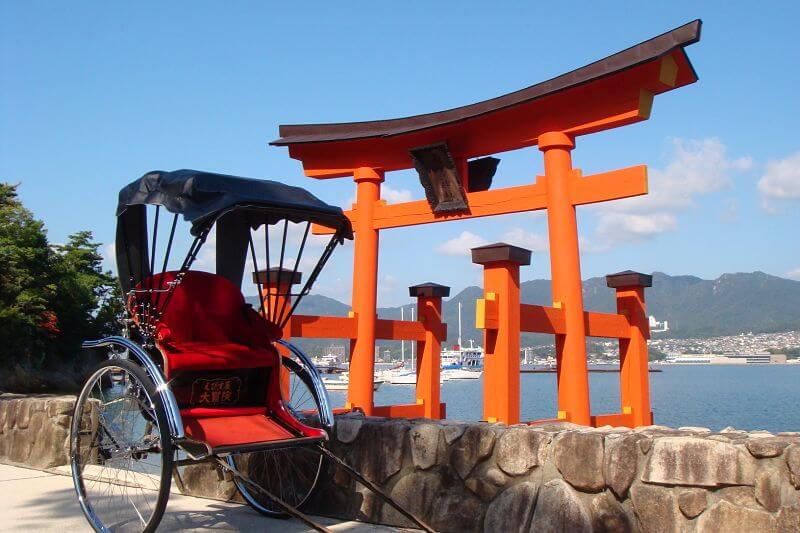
[{"x": 200, "y": 374}]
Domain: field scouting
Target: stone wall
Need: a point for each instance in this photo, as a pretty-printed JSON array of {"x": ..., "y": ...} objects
[
  {"x": 34, "y": 430},
  {"x": 489, "y": 477}
]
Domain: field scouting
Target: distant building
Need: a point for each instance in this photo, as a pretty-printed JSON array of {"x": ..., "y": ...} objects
[
  {"x": 336, "y": 352},
  {"x": 658, "y": 327},
  {"x": 727, "y": 359}
]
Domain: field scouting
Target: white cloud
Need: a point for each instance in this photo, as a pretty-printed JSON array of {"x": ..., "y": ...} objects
[
  {"x": 395, "y": 195},
  {"x": 696, "y": 168},
  {"x": 207, "y": 258},
  {"x": 780, "y": 182},
  {"x": 389, "y": 194},
  {"x": 462, "y": 244},
  {"x": 634, "y": 227},
  {"x": 794, "y": 274},
  {"x": 519, "y": 237},
  {"x": 593, "y": 245},
  {"x": 109, "y": 253},
  {"x": 387, "y": 285}
]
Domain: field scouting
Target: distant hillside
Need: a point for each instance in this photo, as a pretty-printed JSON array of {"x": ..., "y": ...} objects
[{"x": 694, "y": 307}]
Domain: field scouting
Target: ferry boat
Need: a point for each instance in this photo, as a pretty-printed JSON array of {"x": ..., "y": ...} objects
[{"x": 461, "y": 362}]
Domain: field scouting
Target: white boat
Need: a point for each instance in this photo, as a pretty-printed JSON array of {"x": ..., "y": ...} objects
[
  {"x": 341, "y": 383},
  {"x": 467, "y": 361},
  {"x": 403, "y": 377},
  {"x": 461, "y": 373}
]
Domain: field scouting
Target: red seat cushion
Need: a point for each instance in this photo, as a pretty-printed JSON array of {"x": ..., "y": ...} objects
[
  {"x": 215, "y": 356},
  {"x": 235, "y": 430},
  {"x": 206, "y": 325}
]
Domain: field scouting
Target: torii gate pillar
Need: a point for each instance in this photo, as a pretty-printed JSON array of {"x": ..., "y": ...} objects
[
  {"x": 365, "y": 290},
  {"x": 565, "y": 266}
]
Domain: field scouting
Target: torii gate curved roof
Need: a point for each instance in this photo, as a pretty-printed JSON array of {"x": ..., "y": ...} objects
[{"x": 611, "y": 92}]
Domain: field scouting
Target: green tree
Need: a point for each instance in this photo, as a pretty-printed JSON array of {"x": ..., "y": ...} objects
[
  {"x": 26, "y": 324},
  {"x": 52, "y": 297},
  {"x": 86, "y": 302}
]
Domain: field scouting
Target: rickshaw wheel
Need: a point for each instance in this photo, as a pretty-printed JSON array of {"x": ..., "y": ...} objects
[
  {"x": 291, "y": 474},
  {"x": 120, "y": 449}
]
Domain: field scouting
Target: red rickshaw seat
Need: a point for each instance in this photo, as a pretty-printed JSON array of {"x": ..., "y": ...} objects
[
  {"x": 208, "y": 326},
  {"x": 224, "y": 431}
]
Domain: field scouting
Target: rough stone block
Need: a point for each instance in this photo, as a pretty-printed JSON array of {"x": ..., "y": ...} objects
[
  {"x": 579, "y": 458},
  {"x": 608, "y": 515},
  {"x": 24, "y": 413},
  {"x": 496, "y": 477},
  {"x": 788, "y": 519},
  {"x": 724, "y": 516},
  {"x": 512, "y": 510},
  {"x": 620, "y": 462},
  {"x": 694, "y": 429},
  {"x": 475, "y": 444},
  {"x": 692, "y": 502},
  {"x": 457, "y": 512},
  {"x": 202, "y": 480},
  {"x": 693, "y": 461},
  {"x": 741, "y": 496},
  {"x": 416, "y": 492},
  {"x": 347, "y": 428},
  {"x": 655, "y": 508},
  {"x": 424, "y": 445},
  {"x": 12, "y": 406},
  {"x": 793, "y": 461},
  {"x": 452, "y": 432},
  {"x": 482, "y": 488},
  {"x": 645, "y": 445},
  {"x": 21, "y": 444},
  {"x": 518, "y": 450},
  {"x": 559, "y": 509},
  {"x": 47, "y": 440},
  {"x": 381, "y": 455},
  {"x": 60, "y": 406},
  {"x": 766, "y": 447},
  {"x": 768, "y": 488}
]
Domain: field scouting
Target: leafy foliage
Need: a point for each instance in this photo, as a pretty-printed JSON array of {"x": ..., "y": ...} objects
[{"x": 52, "y": 297}]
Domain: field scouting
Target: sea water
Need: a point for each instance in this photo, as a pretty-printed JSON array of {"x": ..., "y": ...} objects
[{"x": 714, "y": 396}]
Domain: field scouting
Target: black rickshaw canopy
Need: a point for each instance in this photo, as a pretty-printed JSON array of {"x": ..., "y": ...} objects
[
  {"x": 235, "y": 204},
  {"x": 202, "y": 197}
]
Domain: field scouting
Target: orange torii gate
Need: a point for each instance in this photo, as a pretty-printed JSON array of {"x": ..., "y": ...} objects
[{"x": 612, "y": 92}]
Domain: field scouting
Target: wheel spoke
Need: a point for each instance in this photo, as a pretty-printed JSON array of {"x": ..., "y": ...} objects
[
  {"x": 289, "y": 473},
  {"x": 119, "y": 460}
]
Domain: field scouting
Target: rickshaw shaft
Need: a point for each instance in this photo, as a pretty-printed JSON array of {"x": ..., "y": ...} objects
[
  {"x": 286, "y": 507},
  {"x": 376, "y": 489}
]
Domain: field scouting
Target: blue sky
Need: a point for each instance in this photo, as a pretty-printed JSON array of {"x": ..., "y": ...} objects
[{"x": 92, "y": 95}]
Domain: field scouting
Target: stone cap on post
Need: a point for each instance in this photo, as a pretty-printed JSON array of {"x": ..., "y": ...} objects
[
  {"x": 500, "y": 251},
  {"x": 429, "y": 290},
  {"x": 277, "y": 276},
  {"x": 629, "y": 278}
]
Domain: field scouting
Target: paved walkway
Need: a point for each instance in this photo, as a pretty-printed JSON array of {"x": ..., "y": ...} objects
[{"x": 32, "y": 500}]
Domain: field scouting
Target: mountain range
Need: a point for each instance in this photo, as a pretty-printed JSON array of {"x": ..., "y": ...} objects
[{"x": 694, "y": 307}]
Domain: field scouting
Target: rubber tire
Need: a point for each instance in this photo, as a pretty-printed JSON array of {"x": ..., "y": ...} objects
[{"x": 167, "y": 453}]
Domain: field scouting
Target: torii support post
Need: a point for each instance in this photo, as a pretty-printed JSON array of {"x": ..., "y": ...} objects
[
  {"x": 429, "y": 312},
  {"x": 365, "y": 290},
  {"x": 565, "y": 265},
  {"x": 634, "y": 375},
  {"x": 275, "y": 285},
  {"x": 501, "y": 262}
]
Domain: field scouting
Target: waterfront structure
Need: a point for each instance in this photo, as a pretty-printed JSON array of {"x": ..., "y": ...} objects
[
  {"x": 727, "y": 359},
  {"x": 658, "y": 327},
  {"x": 449, "y": 150}
]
